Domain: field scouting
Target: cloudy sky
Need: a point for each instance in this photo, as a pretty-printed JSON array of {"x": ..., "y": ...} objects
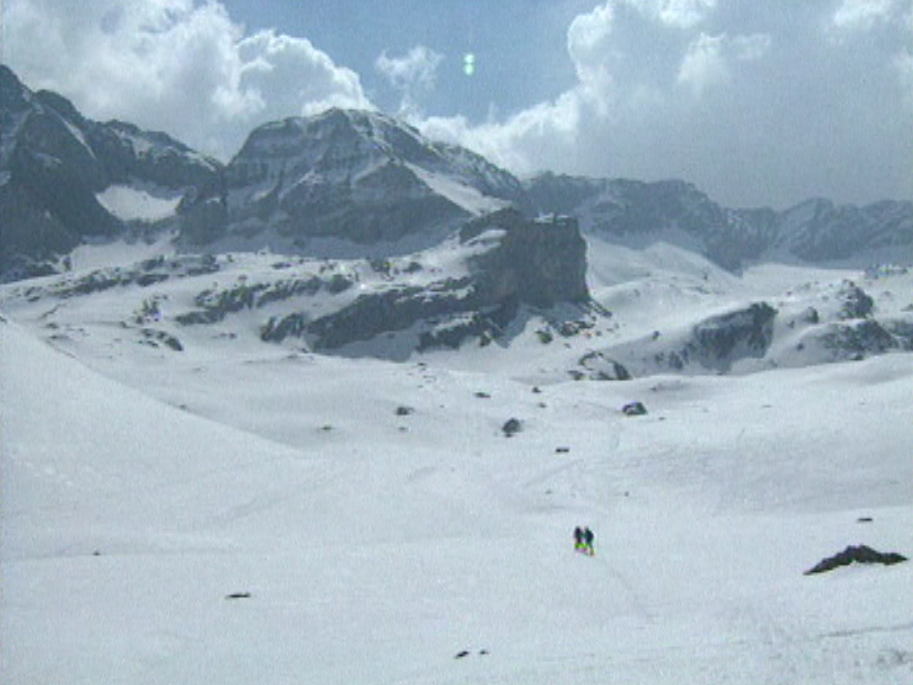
[{"x": 757, "y": 103}]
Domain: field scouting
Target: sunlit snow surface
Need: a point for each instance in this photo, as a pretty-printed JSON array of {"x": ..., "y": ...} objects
[
  {"x": 141, "y": 487},
  {"x": 131, "y": 204}
]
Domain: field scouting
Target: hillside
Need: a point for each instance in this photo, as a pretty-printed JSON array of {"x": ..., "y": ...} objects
[{"x": 381, "y": 505}]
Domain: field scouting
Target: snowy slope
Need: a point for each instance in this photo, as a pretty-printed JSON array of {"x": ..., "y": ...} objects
[
  {"x": 130, "y": 203},
  {"x": 383, "y": 524}
]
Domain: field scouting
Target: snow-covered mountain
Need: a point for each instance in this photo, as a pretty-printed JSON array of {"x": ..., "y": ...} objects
[
  {"x": 816, "y": 231},
  {"x": 353, "y": 176},
  {"x": 65, "y": 179},
  {"x": 351, "y": 183}
]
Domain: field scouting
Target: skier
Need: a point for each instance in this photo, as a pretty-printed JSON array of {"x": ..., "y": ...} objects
[
  {"x": 578, "y": 539},
  {"x": 588, "y": 538}
]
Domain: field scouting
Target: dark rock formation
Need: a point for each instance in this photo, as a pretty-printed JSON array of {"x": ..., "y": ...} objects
[
  {"x": 860, "y": 555},
  {"x": 858, "y": 339},
  {"x": 511, "y": 427},
  {"x": 634, "y": 409},
  {"x": 856, "y": 304},
  {"x": 598, "y": 367},
  {"x": 715, "y": 344},
  {"x": 723, "y": 338},
  {"x": 539, "y": 263},
  {"x": 513, "y": 262}
]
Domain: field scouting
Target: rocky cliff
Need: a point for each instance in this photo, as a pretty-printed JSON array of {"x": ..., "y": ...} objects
[
  {"x": 360, "y": 177},
  {"x": 505, "y": 261},
  {"x": 55, "y": 166},
  {"x": 815, "y": 231}
]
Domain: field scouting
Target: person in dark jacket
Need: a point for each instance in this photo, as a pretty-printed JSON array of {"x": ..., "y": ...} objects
[
  {"x": 588, "y": 538},
  {"x": 578, "y": 539}
]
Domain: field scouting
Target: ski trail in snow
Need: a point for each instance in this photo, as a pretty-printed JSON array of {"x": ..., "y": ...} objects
[{"x": 632, "y": 593}]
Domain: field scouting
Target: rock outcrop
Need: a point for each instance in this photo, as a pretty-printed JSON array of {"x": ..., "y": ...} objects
[
  {"x": 511, "y": 262},
  {"x": 498, "y": 264},
  {"x": 713, "y": 344},
  {"x": 860, "y": 554}
]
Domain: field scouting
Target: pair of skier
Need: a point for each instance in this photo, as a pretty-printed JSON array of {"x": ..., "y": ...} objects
[{"x": 583, "y": 541}]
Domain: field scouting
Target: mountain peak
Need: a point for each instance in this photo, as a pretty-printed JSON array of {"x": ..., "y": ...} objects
[{"x": 338, "y": 133}]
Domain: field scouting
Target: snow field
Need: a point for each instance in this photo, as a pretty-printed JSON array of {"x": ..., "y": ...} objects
[
  {"x": 374, "y": 554},
  {"x": 377, "y": 544}
]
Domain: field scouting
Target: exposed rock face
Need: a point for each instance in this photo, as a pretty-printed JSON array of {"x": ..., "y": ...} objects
[
  {"x": 597, "y": 366},
  {"x": 814, "y": 231},
  {"x": 54, "y": 163},
  {"x": 715, "y": 343},
  {"x": 742, "y": 333},
  {"x": 390, "y": 310},
  {"x": 539, "y": 263},
  {"x": 357, "y": 176},
  {"x": 856, "y": 303},
  {"x": 513, "y": 262},
  {"x": 498, "y": 264},
  {"x": 859, "y": 339}
]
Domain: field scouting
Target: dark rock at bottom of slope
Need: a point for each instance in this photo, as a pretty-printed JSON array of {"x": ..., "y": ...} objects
[{"x": 860, "y": 554}]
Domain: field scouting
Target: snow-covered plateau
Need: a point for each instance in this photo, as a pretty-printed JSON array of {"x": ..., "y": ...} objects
[{"x": 186, "y": 501}]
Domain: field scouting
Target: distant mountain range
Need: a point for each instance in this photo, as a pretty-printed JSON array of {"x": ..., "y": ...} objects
[{"x": 353, "y": 183}]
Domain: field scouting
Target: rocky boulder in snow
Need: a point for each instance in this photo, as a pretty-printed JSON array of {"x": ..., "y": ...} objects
[
  {"x": 715, "y": 344},
  {"x": 511, "y": 427},
  {"x": 856, "y": 304},
  {"x": 634, "y": 409},
  {"x": 860, "y": 554},
  {"x": 747, "y": 332},
  {"x": 859, "y": 339},
  {"x": 597, "y": 366}
]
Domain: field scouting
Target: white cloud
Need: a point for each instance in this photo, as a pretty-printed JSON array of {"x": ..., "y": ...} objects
[
  {"x": 588, "y": 34},
  {"x": 590, "y": 51},
  {"x": 706, "y": 62},
  {"x": 550, "y": 134},
  {"x": 704, "y": 65},
  {"x": 417, "y": 68},
  {"x": 862, "y": 14},
  {"x": 412, "y": 75},
  {"x": 517, "y": 143},
  {"x": 178, "y": 65},
  {"x": 290, "y": 75},
  {"x": 679, "y": 13}
]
